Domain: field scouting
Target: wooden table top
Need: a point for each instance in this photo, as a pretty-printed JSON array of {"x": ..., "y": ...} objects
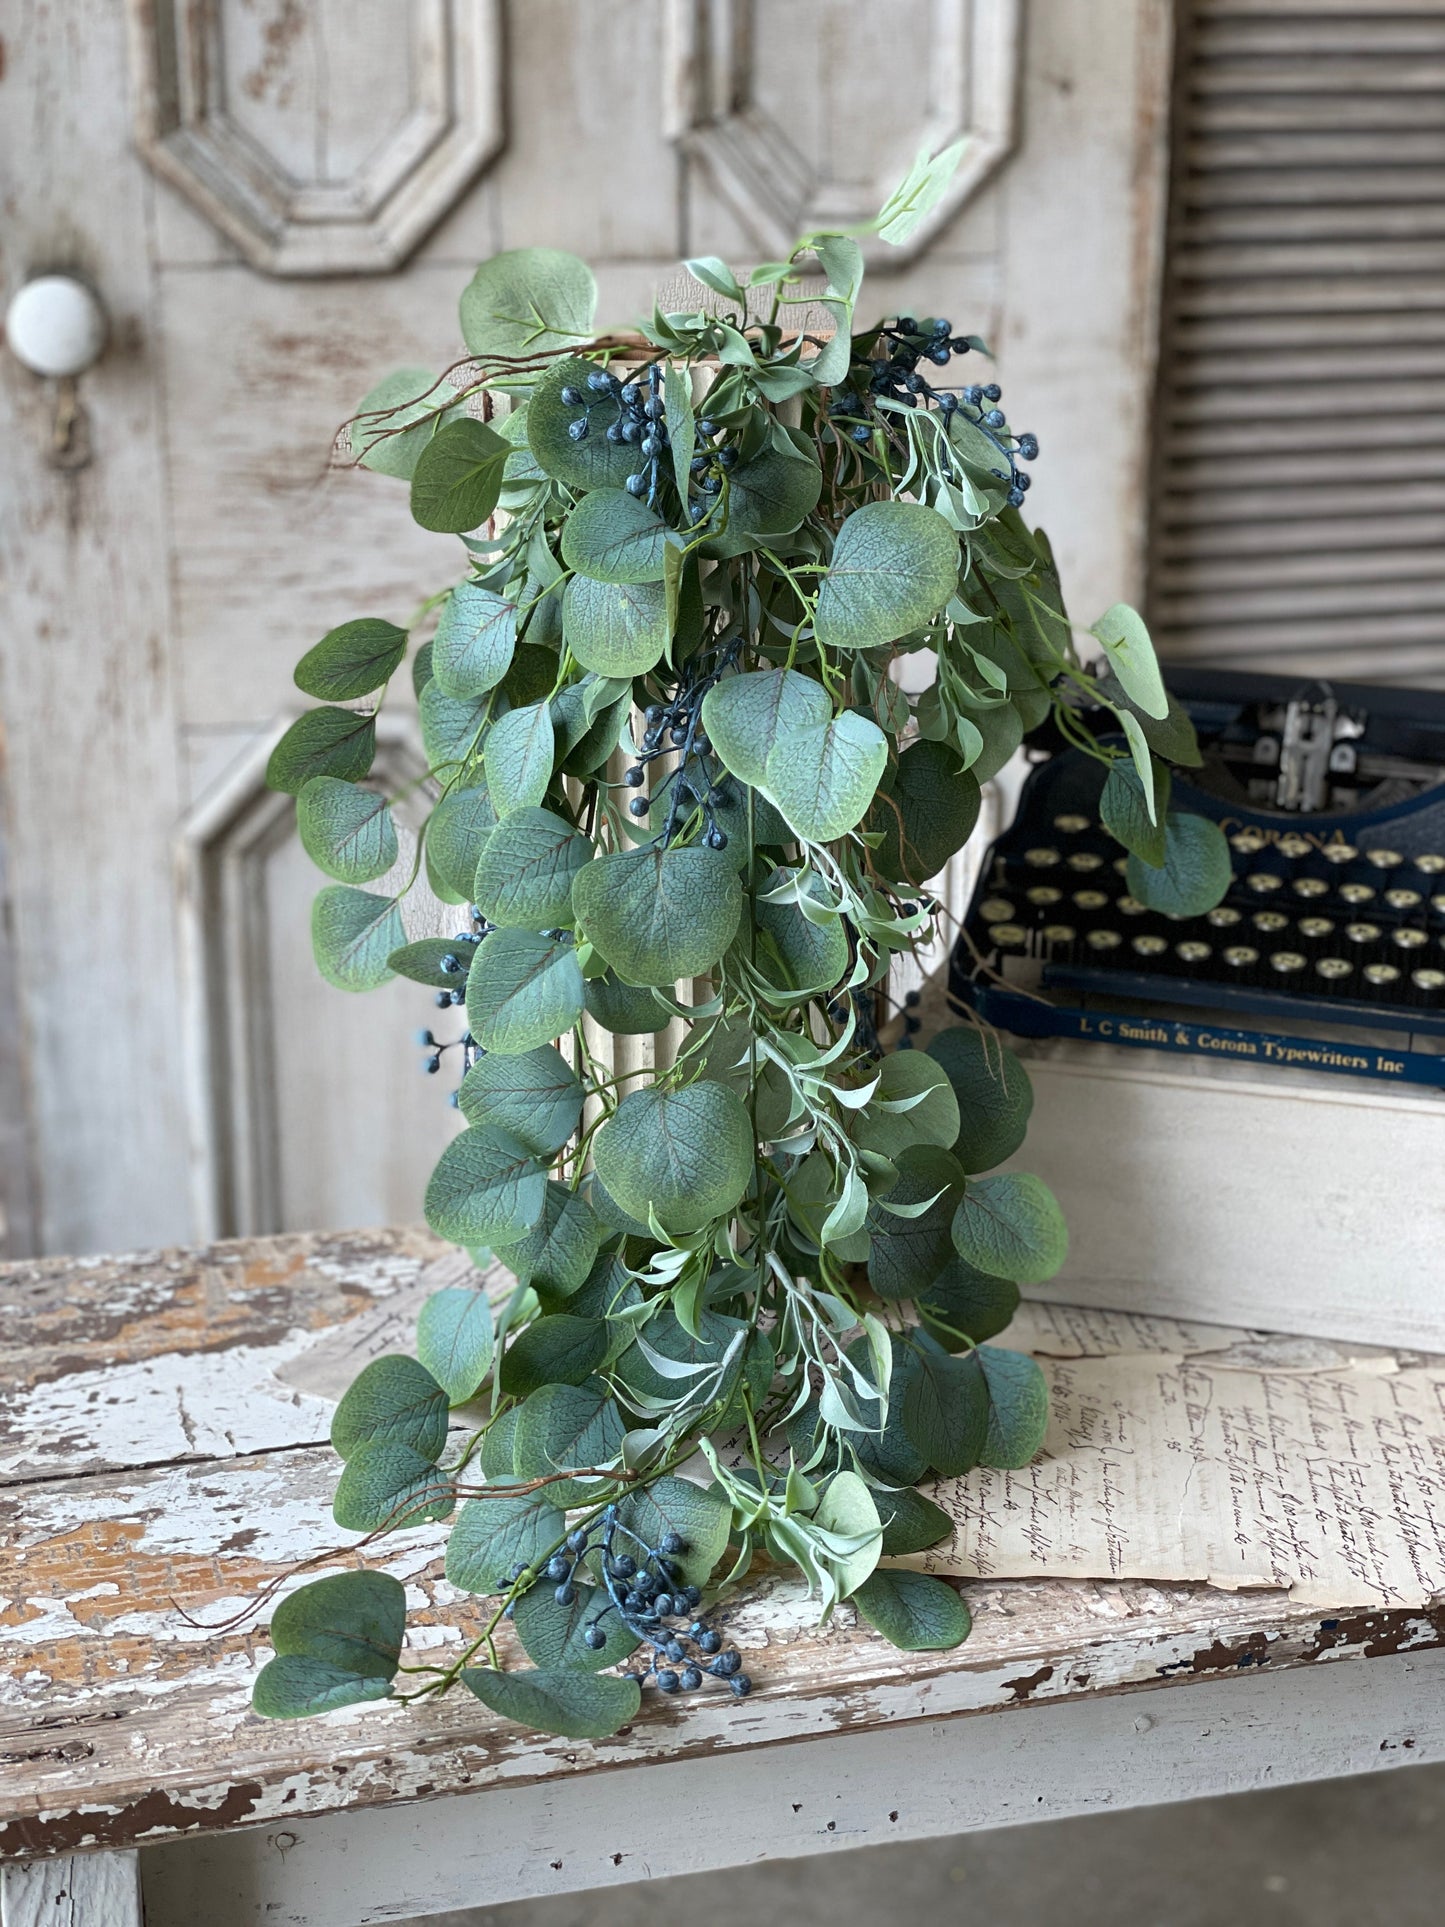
[{"x": 158, "y": 1466}]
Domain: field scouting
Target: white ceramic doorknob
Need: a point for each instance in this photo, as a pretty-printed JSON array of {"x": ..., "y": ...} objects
[{"x": 56, "y": 326}]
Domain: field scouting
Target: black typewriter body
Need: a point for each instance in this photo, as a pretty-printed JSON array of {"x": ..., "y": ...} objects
[{"x": 1328, "y": 951}]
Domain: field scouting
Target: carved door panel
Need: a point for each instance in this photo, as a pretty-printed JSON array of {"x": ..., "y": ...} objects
[{"x": 279, "y": 200}]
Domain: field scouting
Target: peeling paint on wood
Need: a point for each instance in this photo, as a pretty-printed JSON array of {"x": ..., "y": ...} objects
[{"x": 124, "y": 1700}]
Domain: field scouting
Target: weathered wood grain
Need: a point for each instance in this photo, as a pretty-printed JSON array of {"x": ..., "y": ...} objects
[
  {"x": 79, "y": 1890},
  {"x": 124, "y": 1708}
]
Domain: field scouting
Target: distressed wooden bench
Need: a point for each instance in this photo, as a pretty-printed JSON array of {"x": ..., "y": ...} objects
[{"x": 160, "y": 1466}]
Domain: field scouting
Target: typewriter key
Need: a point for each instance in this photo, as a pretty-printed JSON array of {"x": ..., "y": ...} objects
[
  {"x": 1437, "y": 904},
  {"x": 1262, "y": 882},
  {"x": 1090, "y": 900},
  {"x": 1310, "y": 887},
  {"x": 996, "y": 910},
  {"x": 1059, "y": 935},
  {"x": 1042, "y": 859},
  {"x": 1043, "y": 895},
  {"x": 1223, "y": 916},
  {"x": 1269, "y": 923},
  {"x": 1104, "y": 940},
  {"x": 1294, "y": 845},
  {"x": 1286, "y": 963},
  {"x": 1070, "y": 825},
  {"x": 1131, "y": 907},
  {"x": 1316, "y": 928},
  {"x": 1192, "y": 951},
  {"x": 1120, "y": 866},
  {"x": 1334, "y": 969},
  {"x": 1248, "y": 842},
  {"x": 1085, "y": 861},
  {"x": 1381, "y": 976},
  {"x": 1339, "y": 853},
  {"x": 1362, "y": 932},
  {"x": 1009, "y": 936},
  {"x": 1432, "y": 982},
  {"x": 1384, "y": 859},
  {"x": 1404, "y": 899},
  {"x": 1240, "y": 956},
  {"x": 1149, "y": 945},
  {"x": 1409, "y": 939},
  {"x": 1357, "y": 893},
  {"x": 1431, "y": 863}
]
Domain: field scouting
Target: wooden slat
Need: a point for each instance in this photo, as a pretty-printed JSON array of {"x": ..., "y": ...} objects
[{"x": 1301, "y": 420}]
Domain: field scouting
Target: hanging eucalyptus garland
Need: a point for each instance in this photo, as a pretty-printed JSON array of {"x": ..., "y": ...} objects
[{"x": 756, "y": 1283}]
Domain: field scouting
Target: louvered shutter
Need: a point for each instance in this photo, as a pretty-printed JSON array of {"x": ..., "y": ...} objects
[{"x": 1298, "y": 514}]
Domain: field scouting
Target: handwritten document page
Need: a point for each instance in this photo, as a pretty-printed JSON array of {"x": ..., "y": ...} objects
[{"x": 1195, "y": 1452}]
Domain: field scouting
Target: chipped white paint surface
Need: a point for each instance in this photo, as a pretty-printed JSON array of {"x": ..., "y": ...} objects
[
  {"x": 78, "y": 1890},
  {"x": 131, "y": 1540}
]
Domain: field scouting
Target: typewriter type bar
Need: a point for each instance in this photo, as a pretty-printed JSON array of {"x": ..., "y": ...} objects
[{"x": 1335, "y": 916}]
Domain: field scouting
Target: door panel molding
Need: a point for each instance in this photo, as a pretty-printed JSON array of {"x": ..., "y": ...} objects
[
  {"x": 968, "y": 88},
  {"x": 254, "y": 131}
]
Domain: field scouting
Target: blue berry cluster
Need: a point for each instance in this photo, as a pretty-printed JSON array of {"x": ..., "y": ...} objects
[
  {"x": 674, "y": 727},
  {"x": 455, "y": 963},
  {"x": 645, "y": 1589},
  {"x": 633, "y": 413},
  {"x": 896, "y": 376}
]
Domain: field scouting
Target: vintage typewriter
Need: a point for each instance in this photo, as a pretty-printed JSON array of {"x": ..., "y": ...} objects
[{"x": 1327, "y": 953}]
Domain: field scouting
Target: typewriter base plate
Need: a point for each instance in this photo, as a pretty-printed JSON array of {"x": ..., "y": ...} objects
[{"x": 1291, "y": 1201}]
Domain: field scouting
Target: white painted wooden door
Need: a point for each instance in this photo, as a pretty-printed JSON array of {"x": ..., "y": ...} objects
[{"x": 278, "y": 200}]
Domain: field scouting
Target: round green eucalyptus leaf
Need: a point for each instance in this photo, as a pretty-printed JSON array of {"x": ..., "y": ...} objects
[
  {"x": 823, "y": 778},
  {"x": 579, "y": 1706},
  {"x": 491, "y": 1536},
  {"x": 686, "y": 1156},
  {"x": 746, "y": 715},
  {"x": 520, "y": 756},
  {"x": 965, "y": 1306},
  {"x": 456, "y": 834},
  {"x": 352, "y": 660},
  {"x": 559, "y": 1349},
  {"x": 945, "y": 1408},
  {"x": 613, "y": 537},
  {"x": 524, "y": 876},
  {"x": 559, "y": 1249},
  {"x": 770, "y": 495},
  {"x": 553, "y": 1636},
  {"x": 394, "y": 1397},
  {"x": 592, "y": 462},
  {"x": 397, "y": 420},
  {"x": 474, "y": 640},
  {"x": 346, "y": 831},
  {"x": 611, "y": 1212},
  {"x": 1196, "y": 872},
  {"x": 927, "y": 814},
  {"x": 458, "y": 477},
  {"x": 565, "y": 1428},
  {"x": 913, "y": 1611},
  {"x": 586, "y": 733},
  {"x": 385, "y": 1485},
  {"x": 451, "y": 731},
  {"x": 1010, "y": 1226},
  {"x": 627, "y": 1010},
  {"x": 536, "y": 1096},
  {"x": 615, "y": 628},
  {"x": 993, "y": 1091},
  {"x": 1018, "y": 1411},
  {"x": 454, "y": 1340},
  {"x": 810, "y": 957},
  {"x": 427, "y": 961},
  {"x": 894, "y": 565},
  {"x": 657, "y": 915},
  {"x": 913, "y": 1104},
  {"x": 487, "y": 1188},
  {"x": 353, "y": 933},
  {"x": 911, "y": 1523},
  {"x": 527, "y": 302},
  {"x": 352, "y": 1621},
  {"x": 322, "y": 742},
  {"x": 906, "y": 1253},
  {"x": 523, "y": 990}
]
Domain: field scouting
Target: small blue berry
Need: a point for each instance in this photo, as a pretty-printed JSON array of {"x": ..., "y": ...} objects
[
  {"x": 578, "y": 429},
  {"x": 557, "y": 1567},
  {"x": 706, "y": 427},
  {"x": 599, "y": 383},
  {"x": 614, "y": 431},
  {"x": 623, "y": 1565},
  {"x": 675, "y": 1649},
  {"x": 636, "y": 484},
  {"x": 573, "y": 397},
  {"x": 433, "y": 1064},
  {"x": 689, "y": 1679},
  {"x": 861, "y": 433},
  {"x": 939, "y": 356},
  {"x": 516, "y": 1572},
  {"x": 640, "y": 805},
  {"x": 907, "y": 325},
  {"x": 667, "y": 1680},
  {"x": 1023, "y": 481},
  {"x": 728, "y": 457},
  {"x": 716, "y": 839},
  {"x": 577, "y": 1541},
  {"x": 740, "y": 1686},
  {"x": 637, "y": 774},
  {"x": 992, "y": 391},
  {"x": 995, "y": 418},
  {"x": 594, "y": 1639},
  {"x": 662, "y": 1605},
  {"x": 942, "y": 327},
  {"x": 565, "y": 1594},
  {"x": 1028, "y": 447}
]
